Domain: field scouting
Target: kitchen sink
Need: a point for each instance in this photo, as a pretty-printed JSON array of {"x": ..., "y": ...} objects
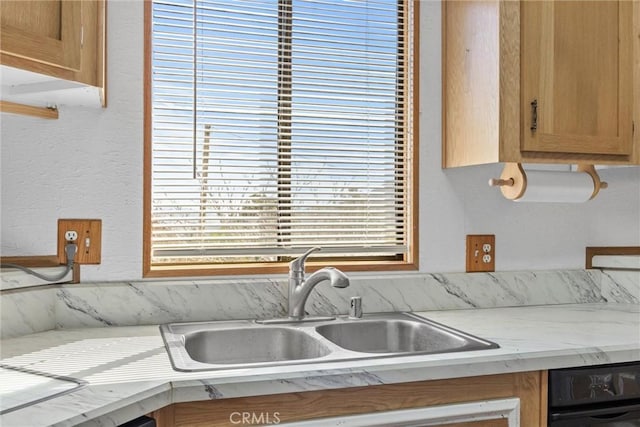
[
  {"x": 246, "y": 344},
  {"x": 252, "y": 345}
]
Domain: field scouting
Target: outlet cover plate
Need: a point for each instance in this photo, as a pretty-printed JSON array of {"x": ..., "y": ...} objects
[
  {"x": 475, "y": 253},
  {"x": 89, "y": 251}
]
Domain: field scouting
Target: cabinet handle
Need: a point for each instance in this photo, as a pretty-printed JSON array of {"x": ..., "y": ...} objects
[{"x": 534, "y": 115}]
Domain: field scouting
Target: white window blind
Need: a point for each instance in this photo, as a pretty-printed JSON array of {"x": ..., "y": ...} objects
[{"x": 279, "y": 125}]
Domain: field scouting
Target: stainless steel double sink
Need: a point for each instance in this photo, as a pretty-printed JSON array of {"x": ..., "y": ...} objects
[{"x": 247, "y": 344}]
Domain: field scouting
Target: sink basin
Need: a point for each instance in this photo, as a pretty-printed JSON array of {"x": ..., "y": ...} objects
[
  {"x": 241, "y": 344},
  {"x": 392, "y": 336},
  {"x": 237, "y": 344},
  {"x": 265, "y": 345}
]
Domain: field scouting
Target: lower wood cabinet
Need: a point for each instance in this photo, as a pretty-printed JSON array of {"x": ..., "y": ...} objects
[{"x": 505, "y": 400}]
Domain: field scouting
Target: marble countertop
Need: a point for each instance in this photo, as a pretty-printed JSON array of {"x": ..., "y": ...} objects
[{"x": 129, "y": 374}]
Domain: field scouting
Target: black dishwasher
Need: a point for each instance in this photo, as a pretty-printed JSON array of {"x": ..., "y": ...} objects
[{"x": 603, "y": 396}]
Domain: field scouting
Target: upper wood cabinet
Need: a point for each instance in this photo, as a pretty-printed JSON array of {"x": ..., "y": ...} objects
[
  {"x": 62, "y": 39},
  {"x": 540, "y": 81},
  {"x": 44, "y": 31}
]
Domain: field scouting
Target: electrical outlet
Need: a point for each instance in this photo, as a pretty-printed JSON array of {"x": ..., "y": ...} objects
[
  {"x": 481, "y": 252},
  {"x": 86, "y": 233}
]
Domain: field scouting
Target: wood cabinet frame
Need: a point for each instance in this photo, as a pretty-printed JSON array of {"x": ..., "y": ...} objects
[
  {"x": 529, "y": 387},
  {"x": 484, "y": 115},
  {"x": 79, "y": 55}
]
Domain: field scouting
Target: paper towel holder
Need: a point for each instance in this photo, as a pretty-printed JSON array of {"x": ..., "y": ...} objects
[{"x": 513, "y": 180}]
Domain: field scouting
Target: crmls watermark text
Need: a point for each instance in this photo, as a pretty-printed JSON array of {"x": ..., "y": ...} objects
[{"x": 253, "y": 418}]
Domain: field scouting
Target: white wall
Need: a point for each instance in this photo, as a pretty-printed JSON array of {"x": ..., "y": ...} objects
[{"x": 88, "y": 164}]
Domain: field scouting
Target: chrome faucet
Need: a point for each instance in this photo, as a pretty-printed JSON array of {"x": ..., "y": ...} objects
[{"x": 300, "y": 288}]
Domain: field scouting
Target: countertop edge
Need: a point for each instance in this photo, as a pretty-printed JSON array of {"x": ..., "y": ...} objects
[
  {"x": 315, "y": 380},
  {"x": 113, "y": 398}
]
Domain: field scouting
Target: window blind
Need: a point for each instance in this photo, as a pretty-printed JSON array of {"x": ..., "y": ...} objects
[{"x": 279, "y": 125}]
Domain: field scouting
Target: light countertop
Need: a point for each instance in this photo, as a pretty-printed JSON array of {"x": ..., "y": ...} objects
[{"x": 129, "y": 374}]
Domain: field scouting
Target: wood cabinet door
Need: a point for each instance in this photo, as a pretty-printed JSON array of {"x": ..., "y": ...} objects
[
  {"x": 577, "y": 68},
  {"x": 46, "y": 31},
  {"x": 485, "y": 423},
  {"x": 487, "y": 413}
]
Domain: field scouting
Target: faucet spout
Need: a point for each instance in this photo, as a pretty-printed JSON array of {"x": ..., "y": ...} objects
[
  {"x": 299, "y": 291},
  {"x": 336, "y": 278}
]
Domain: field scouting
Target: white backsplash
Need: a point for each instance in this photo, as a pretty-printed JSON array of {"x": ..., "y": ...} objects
[
  {"x": 15, "y": 279},
  {"x": 27, "y": 311},
  {"x": 621, "y": 285},
  {"x": 620, "y": 277},
  {"x": 32, "y": 310}
]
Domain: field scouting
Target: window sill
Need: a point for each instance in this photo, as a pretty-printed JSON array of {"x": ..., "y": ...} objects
[{"x": 271, "y": 268}]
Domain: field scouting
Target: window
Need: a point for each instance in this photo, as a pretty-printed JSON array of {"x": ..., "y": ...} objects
[{"x": 273, "y": 126}]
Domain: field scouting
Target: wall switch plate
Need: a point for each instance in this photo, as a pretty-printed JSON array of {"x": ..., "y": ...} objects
[
  {"x": 481, "y": 252},
  {"x": 89, "y": 239}
]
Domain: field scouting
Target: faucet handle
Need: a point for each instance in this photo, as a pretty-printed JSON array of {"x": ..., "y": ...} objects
[{"x": 297, "y": 265}]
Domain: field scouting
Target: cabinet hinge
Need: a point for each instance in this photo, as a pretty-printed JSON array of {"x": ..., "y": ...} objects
[
  {"x": 82, "y": 36},
  {"x": 534, "y": 115}
]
